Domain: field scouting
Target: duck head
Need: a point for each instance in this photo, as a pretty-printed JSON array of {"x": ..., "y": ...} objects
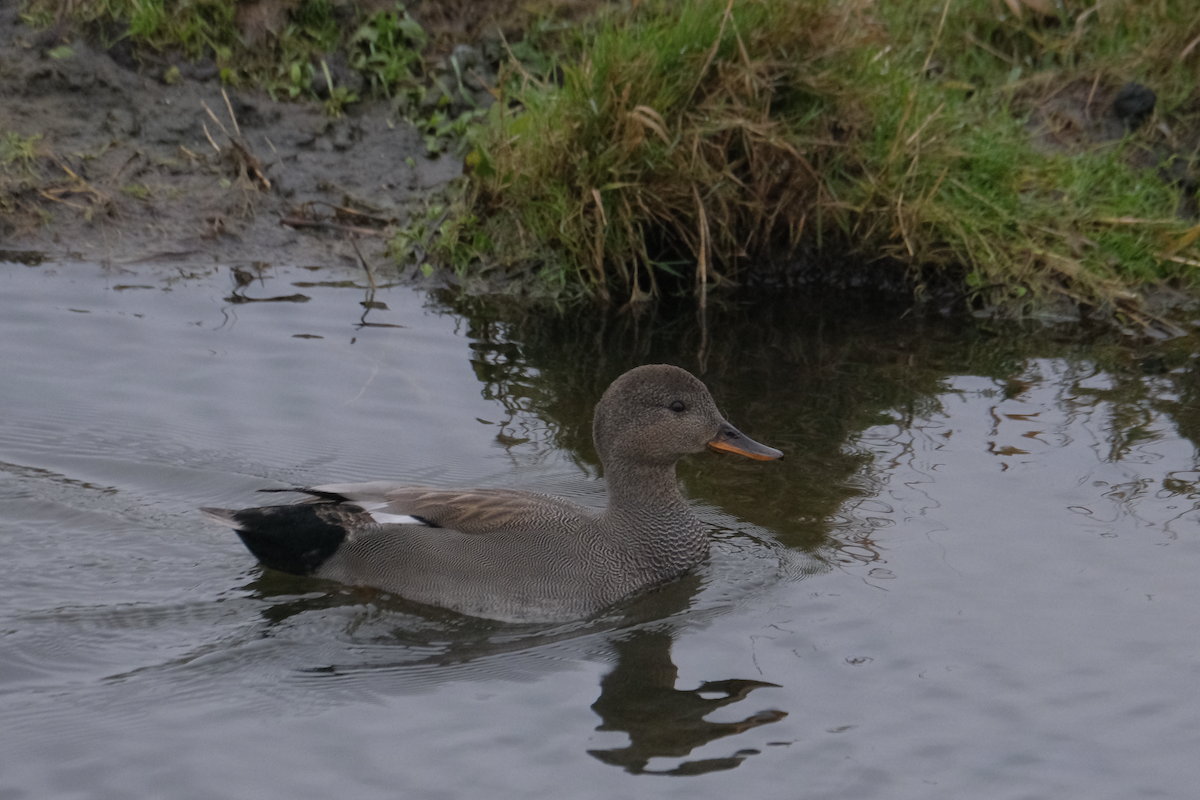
[{"x": 656, "y": 414}]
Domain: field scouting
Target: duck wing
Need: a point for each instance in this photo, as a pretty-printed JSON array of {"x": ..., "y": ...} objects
[{"x": 470, "y": 511}]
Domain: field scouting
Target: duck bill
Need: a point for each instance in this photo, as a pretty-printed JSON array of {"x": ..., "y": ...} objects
[{"x": 731, "y": 440}]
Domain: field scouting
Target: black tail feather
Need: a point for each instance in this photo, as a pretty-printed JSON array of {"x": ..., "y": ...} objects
[{"x": 296, "y": 539}]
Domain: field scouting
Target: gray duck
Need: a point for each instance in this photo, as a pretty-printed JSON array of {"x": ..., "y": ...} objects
[{"x": 512, "y": 555}]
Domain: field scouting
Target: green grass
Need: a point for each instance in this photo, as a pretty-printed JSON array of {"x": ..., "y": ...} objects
[
  {"x": 686, "y": 128},
  {"x": 1086, "y": 224},
  {"x": 19, "y": 151},
  {"x": 718, "y": 135},
  {"x": 385, "y": 46},
  {"x": 293, "y": 61},
  {"x": 387, "y": 50},
  {"x": 677, "y": 146}
]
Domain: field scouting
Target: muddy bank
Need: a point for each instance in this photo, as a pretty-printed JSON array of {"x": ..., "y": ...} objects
[{"x": 129, "y": 169}]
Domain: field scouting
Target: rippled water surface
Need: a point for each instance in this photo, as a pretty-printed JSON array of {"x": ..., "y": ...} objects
[{"x": 974, "y": 575}]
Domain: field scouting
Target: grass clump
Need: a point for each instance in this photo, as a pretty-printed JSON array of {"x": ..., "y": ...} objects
[
  {"x": 971, "y": 141},
  {"x": 19, "y": 152},
  {"x": 691, "y": 131},
  {"x": 20, "y": 172}
]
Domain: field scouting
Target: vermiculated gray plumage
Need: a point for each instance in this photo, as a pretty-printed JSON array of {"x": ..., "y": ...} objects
[{"x": 518, "y": 556}]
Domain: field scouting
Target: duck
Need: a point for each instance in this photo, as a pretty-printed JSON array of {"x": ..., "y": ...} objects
[{"x": 518, "y": 556}]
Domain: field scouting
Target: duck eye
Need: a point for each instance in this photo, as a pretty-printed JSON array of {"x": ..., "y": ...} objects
[{"x": 677, "y": 406}]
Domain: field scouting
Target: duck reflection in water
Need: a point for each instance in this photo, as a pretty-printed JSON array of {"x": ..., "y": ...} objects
[{"x": 639, "y": 697}]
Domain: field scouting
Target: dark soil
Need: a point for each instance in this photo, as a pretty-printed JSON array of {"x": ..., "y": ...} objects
[{"x": 130, "y": 169}]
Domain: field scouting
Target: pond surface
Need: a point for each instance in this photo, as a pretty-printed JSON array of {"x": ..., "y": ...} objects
[{"x": 974, "y": 575}]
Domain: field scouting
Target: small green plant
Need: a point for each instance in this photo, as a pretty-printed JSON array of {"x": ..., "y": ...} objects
[
  {"x": 137, "y": 190},
  {"x": 312, "y": 31},
  {"x": 444, "y": 228},
  {"x": 313, "y": 21},
  {"x": 441, "y": 130},
  {"x": 339, "y": 96},
  {"x": 411, "y": 243},
  {"x": 147, "y": 20},
  {"x": 19, "y": 150},
  {"x": 38, "y": 15},
  {"x": 300, "y": 77},
  {"x": 386, "y": 49}
]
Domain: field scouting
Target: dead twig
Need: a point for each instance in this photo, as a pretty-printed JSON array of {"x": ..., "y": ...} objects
[
  {"x": 213, "y": 116},
  {"x": 208, "y": 135},
  {"x": 702, "y": 255},
  {"x": 936, "y": 38},
  {"x": 229, "y": 106},
  {"x": 299, "y": 222},
  {"x": 984, "y": 46},
  {"x": 243, "y": 156},
  {"x": 366, "y": 266},
  {"x": 250, "y": 162}
]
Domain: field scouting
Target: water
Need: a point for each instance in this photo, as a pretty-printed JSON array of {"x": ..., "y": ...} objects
[{"x": 973, "y": 576}]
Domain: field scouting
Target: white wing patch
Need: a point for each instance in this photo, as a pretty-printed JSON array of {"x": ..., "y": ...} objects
[{"x": 397, "y": 519}]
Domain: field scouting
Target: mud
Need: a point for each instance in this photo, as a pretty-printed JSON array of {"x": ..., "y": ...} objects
[{"x": 130, "y": 169}]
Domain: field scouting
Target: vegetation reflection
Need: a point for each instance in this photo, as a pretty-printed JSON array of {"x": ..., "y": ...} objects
[{"x": 807, "y": 376}]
